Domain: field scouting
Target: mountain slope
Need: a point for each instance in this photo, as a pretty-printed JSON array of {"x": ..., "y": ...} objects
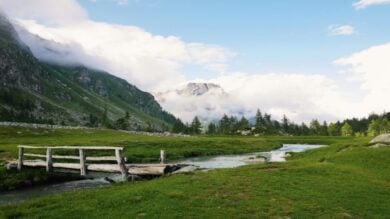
[{"x": 33, "y": 91}]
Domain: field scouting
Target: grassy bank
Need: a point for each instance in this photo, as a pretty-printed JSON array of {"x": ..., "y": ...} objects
[
  {"x": 141, "y": 148},
  {"x": 346, "y": 179}
]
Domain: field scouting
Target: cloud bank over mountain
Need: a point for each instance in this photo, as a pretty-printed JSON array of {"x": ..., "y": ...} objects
[
  {"x": 62, "y": 32},
  {"x": 150, "y": 61}
]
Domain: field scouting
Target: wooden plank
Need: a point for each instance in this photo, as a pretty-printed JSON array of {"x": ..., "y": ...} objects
[
  {"x": 20, "y": 158},
  {"x": 107, "y": 158},
  {"x": 73, "y": 147},
  {"x": 49, "y": 161},
  {"x": 65, "y": 157},
  {"x": 156, "y": 170},
  {"x": 102, "y": 158},
  {"x": 34, "y": 155},
  {"x": 83, "y": 163},
  {"x": 111, "y": 168},
  {"x": 121, "y": 163}
]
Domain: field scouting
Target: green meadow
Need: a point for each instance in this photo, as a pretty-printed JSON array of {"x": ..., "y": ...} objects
[{"x": 347, "y": 179}]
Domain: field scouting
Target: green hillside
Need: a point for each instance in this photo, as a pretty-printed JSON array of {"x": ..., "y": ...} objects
[{"x": 33, "y": 91}]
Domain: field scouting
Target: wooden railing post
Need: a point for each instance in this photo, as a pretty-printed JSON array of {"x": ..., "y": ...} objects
[
  {"x": 49, "y": 160},
  {"x": 20, "y": 158},
  {"x": 121, "y": 162},
  {"x": 162, "y": 156},
  {"x": 83, "y": 163}
]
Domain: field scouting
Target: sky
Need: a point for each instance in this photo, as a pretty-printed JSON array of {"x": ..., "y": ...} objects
[{"x": 325, "y": 59}]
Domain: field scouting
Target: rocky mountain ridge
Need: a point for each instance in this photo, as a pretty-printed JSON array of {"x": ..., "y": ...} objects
[{"x": 40, "y": 92}]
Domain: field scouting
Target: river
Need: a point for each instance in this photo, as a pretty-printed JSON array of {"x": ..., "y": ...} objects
[{"x": 209, "y": 162}]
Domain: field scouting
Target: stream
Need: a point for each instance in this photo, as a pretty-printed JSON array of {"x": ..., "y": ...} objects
[{"x": 207, "y": 162}]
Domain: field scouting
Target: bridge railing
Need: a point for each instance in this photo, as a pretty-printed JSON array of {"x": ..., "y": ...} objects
[{"x": 82, "y": 156}]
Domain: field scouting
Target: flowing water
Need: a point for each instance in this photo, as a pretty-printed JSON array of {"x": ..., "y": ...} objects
[
  {"x": 231, "y": 161},
  {"x": 210, "y": 162}
]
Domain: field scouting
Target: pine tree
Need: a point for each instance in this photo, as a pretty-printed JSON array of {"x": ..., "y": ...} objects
[
  {"x": 346, "y": 130},
  {"x": 373, "y": 128},
  {"x": 178, "y": 127},
  {"x": 324, "y": 129},
  {"x": 285, "y": 124},
  {"x": 243, "y": 124},
  {"x": 315, "y": 127},
  {"x": 332, "y": 130},
  {"x": 259, "y": 125},
  {"x": 212, "y": 129},
  {"x": 224, "y": 125},
  {"x": 196, "y": 126}
]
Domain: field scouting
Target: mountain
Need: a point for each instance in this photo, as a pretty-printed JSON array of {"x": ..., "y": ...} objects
[
  {"x": 193, "y": 89},
  {"x": 206, "y": 100},
  {"x": 35, "y": 91}
]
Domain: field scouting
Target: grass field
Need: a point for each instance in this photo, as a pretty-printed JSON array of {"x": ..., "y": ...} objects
[
  {"x": 142, "y": 148},
  {"x": 346, "y": 179}
]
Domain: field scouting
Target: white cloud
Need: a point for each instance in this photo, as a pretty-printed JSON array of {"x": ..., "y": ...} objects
[
  {"x": 361, "y": 4},
  {"x": 149, "y": 61},
  {"x": 277, "y": 94},
  {"x": 288, "y": 94},
  {"x": 371, "y": 68},
  {"x": 336, "y": 30},
  {"x": 300, "y": 96},
  {"x": 58, "y": 12}
]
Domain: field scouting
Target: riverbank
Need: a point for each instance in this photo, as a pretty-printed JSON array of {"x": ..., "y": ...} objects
[
  {"x": 338, "y": 181},
  {"x": 100, "y": 179},
  {"x": 345, "y": 179},
  {"x": 13, "y": 179},
  {"x": 139, "y": 148}
]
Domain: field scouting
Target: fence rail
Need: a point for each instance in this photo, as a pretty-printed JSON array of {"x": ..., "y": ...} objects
[{"x": 82, "y": 157}]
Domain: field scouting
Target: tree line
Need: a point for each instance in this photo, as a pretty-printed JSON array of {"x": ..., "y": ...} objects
[{"x": 264, "y": 124}]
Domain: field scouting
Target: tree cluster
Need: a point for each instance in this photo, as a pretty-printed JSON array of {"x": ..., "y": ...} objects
[
  {"x": 263, "y": 124},
  {"x": 194, "y": 128}
]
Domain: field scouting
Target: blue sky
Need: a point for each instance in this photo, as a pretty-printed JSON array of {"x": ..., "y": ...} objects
[
  {"x": 325, "y": 59},
  {"x": 267, "y": 36}
]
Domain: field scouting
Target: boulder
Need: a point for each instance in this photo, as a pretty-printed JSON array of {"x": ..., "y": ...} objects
[{"x": 383, "y": 138}]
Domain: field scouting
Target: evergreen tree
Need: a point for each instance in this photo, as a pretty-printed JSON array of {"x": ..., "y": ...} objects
[
  {"x": 385, "y": 126},
  {"x": 178, "y": 127},
  {"x": 378, "y": 126},
  {"x": 374, "y": 128},
  {"x": 92, "y": 121},
  {"x": 224, "y": 125},
  {"x": 212, "y": 129},
  {"x": 259, "y": 125},
  {"x": 324, "y": 129},
  {"x": 243, "y": 124},
  {"x": 196, "y": 126},
  {"x": 304, "y": 129},
  {"x": 346, "y": 130},
  {"x": 268, "y": 124},
  {"x": 285, "y": 124},
  {"x": 315, "y": 127},
  {"x": 123, "y": 123},
  {"x": 234, "y": 125},
  {"x": 332, "y": 130}
]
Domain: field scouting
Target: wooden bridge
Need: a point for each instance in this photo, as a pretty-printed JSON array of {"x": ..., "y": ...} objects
[{"x": 117, "y": 161}]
